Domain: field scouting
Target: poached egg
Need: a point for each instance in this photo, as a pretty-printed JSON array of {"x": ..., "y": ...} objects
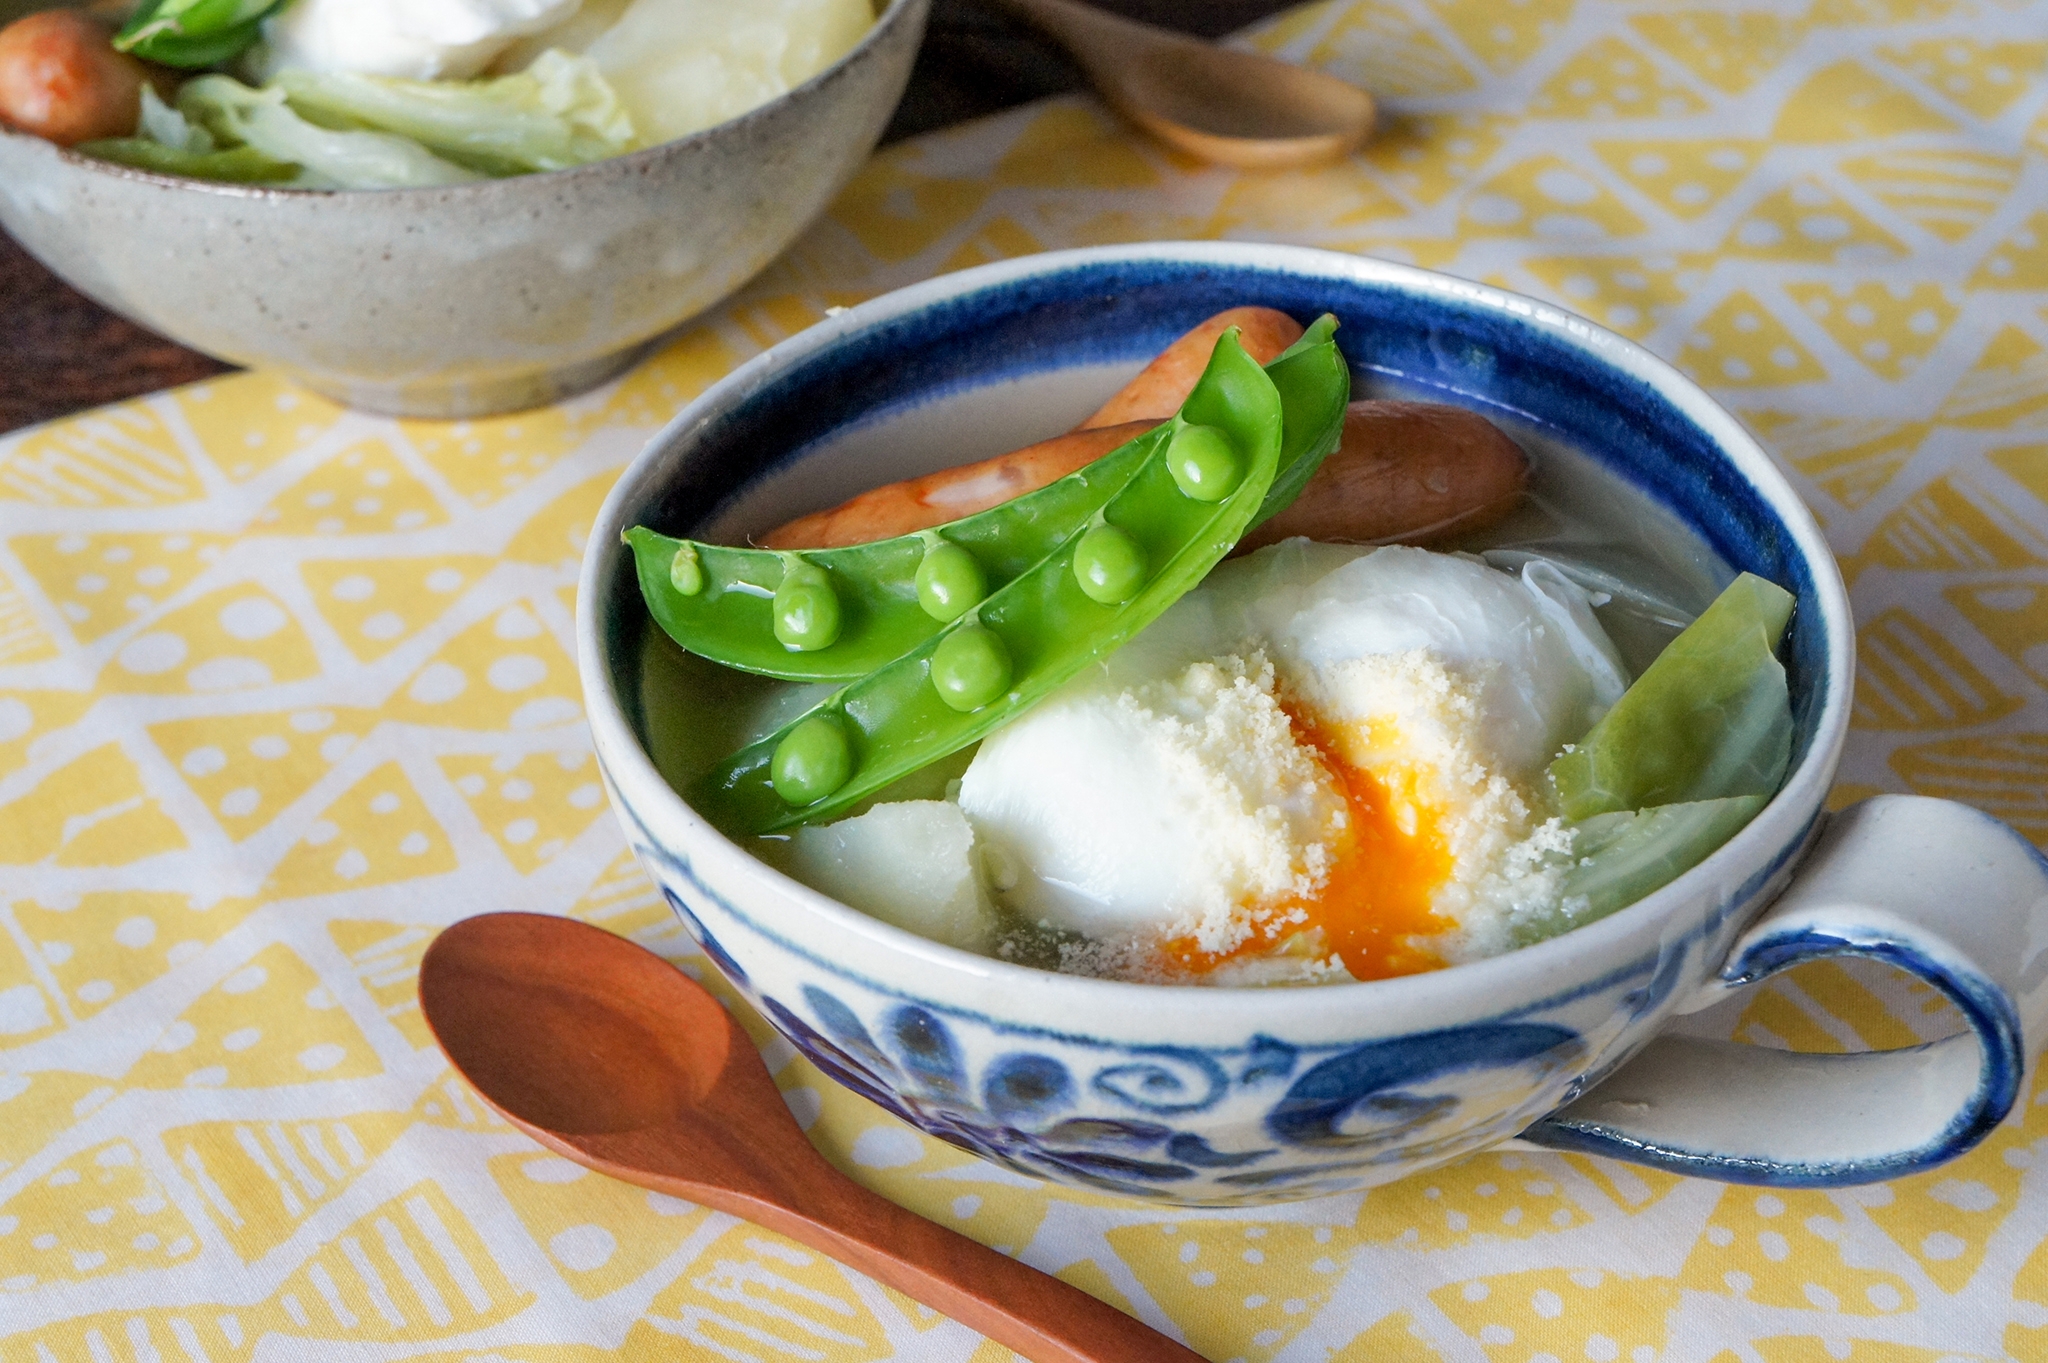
[{"x": 1324, "y": 761}]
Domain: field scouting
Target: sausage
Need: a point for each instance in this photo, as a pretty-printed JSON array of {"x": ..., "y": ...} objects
[
  {"x": 1163, "y": 385},
  {"x": 1413, "y": 472},
  {"x": 61, "y": 79},
  {"x": 920, "y": 503},
  {"x": 1150, "y": 398}
]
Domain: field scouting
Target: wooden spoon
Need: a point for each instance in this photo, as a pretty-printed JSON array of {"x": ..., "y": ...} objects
[
  {"x": 1234, "y": 108},
  {"x": 601, "y": 1050}
]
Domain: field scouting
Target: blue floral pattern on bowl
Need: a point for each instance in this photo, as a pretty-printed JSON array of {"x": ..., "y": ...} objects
[{"x": 1265, "y": 1121}]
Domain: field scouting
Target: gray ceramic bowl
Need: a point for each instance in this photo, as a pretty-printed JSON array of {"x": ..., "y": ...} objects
[{"x": 466, "y": 300}]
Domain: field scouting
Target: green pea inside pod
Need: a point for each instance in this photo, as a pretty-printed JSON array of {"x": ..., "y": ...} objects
[
  {"x": 812, "y": 760},
  {"x": 686, "y": 570},
  {"x": 1147, "y": 545},
  {"x": 950, "y": 581},
  {"x": 971, "y": 668},
  {"x": 884, "y": 616},
  {"x": 1204, "y": 463},
  {"x": 806, "y": 608},
  {"x": 1109, "y": 565}
]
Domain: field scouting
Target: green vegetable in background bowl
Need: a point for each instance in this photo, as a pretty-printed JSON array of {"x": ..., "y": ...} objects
[
  {"x": 397, "y": 94},
  {"x": 558, "y": 112},
  {"x": 193, "y": 33},
  {"x": 340, "y": 131}
]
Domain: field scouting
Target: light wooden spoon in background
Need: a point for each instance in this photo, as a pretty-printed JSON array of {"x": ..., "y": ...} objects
[{"x": 1234, "y": 108}]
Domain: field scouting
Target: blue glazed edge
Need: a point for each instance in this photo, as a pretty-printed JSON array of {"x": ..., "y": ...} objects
[{"x": 1989, "y": 1011}]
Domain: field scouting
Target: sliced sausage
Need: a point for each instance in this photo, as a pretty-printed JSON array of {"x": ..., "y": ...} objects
[
  {"x": 920, "y": 503},
  {"x": 1416, "y": 472},
  {"x": 1163, "y": 385},
  {"x": 61, "y": 79}
]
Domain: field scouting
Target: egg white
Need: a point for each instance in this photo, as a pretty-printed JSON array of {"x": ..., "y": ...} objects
[{"x": 1166, "y": 794}]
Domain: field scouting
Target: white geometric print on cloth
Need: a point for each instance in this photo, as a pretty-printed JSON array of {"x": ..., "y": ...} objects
[{"x": 285, "y": 688}]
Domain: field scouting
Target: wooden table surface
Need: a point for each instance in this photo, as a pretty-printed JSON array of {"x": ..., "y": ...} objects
[{"x": 60, "y": 352}]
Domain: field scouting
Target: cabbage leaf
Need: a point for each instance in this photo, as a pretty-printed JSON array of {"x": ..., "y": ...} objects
[
  {"x": 234, "y": 165},
  {"x": 161, "y": 123},
  {"x": 559, "y": 112},
  {"x": 1623, "y": 857},
  {"x": 170, "y": 144},
  {"x": 237, "y": 115},
  {"x": 1709, "y": 719}
]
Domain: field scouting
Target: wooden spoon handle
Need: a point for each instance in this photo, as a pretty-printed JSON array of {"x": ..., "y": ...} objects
[{"x": 1009, "y": 1301}]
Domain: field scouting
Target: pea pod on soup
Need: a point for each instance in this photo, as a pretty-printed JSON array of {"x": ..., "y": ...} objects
[{"x": 891, "y": 595}]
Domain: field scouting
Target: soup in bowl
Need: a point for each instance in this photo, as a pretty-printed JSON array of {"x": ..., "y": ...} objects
[
  {"x": 460, "y": 298},
  {"x": 1196, "y": 1085}
]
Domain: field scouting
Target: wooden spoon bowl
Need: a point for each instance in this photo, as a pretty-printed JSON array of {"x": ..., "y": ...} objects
[
  {"x": 508, "y": 1026},
  {"x": 1223, "y": 105},
  {"x": 602, "y": 1051}
]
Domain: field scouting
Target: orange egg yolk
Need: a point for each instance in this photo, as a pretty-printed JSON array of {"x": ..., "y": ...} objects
[{"x": 1375, "y": 903}]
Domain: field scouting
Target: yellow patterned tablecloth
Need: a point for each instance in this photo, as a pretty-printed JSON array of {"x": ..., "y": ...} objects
[{"x": 284, "y": 688}]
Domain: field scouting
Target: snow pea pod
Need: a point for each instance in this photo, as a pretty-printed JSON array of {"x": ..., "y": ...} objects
[
  {"x": 897, "y": 719},
  {"x": 193, "y": 33},
  {"x": 717, "y": 601},
  {"x": 730, "y": 616},
  {"x": 1314, "y": 384}
]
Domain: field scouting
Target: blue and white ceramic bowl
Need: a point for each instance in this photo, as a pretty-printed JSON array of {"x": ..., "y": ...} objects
[{"x": 1227, "y": 1096}]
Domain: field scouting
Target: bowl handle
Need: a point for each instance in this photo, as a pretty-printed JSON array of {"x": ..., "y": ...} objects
[{"x": 1932, "y": 887}]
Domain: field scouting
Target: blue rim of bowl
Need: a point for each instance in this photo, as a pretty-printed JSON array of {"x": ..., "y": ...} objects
[
  {"x": 891, "y": 15},
  {"x": 1798, "y": 799},
  {"x": 1993, "y": 1022}
]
